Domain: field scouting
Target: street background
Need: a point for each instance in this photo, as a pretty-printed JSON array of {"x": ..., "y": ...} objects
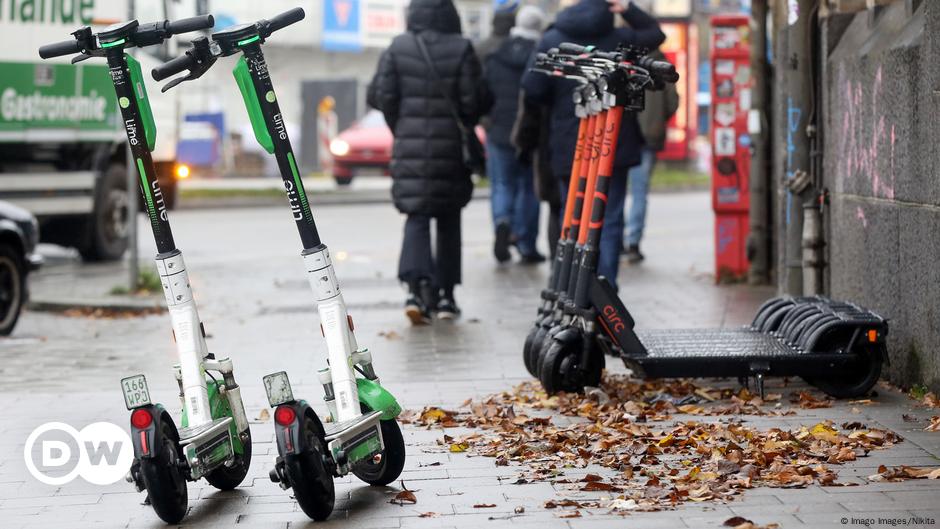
[{"x": 253, "y": 297}]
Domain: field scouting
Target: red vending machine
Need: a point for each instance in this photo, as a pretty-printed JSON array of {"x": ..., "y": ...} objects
[{"x": 731, "y": 158}]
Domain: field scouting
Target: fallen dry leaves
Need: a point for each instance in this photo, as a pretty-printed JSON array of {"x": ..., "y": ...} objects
[
  {"x": 624, "y": 427},
  {"x": 904, "y": 472},
  {"x": 934, "y": 425},
  {"x": 405, "y": 497}
]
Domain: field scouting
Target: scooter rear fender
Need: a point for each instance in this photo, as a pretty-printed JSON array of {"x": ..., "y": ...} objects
[
  {"x": 289, "y": 440},
  {"x": 147, "y": 445}
]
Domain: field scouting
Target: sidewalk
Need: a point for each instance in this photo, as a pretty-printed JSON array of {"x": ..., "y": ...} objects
[{"x": 257, "y": 308}]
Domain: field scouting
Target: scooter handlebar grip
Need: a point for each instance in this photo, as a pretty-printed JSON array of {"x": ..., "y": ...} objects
[
  {"x": 286, "y": 18},
  {"x": 58, "y": 49},
  {"x": 187, "y": 25},
  {"x": 173, "y": 67},
  {"x": 665, "y": 70},
  {"x": 570, "y": 48}
]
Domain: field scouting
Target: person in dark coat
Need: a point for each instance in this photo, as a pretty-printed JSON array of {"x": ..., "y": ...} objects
[
  {"x": 429, "y": 177},
  {"x": 591, "y": 22},
  {"x": 515, "y": 208},
  {"x": 504, "y": 18}
]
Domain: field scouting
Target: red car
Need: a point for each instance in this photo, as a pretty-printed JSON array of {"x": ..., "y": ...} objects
[
  {"x": 362, "y": 149},
  {"x": 365, "y": 148}
]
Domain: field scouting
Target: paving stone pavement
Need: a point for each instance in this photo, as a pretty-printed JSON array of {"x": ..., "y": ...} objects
[{"x": 249, "y": 283}]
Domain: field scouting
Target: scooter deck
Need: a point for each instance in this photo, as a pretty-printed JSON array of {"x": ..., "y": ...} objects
[{"x": 726, "y": 352}]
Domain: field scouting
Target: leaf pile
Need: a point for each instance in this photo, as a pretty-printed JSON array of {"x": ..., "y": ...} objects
[{"x": 657, "y": 465}]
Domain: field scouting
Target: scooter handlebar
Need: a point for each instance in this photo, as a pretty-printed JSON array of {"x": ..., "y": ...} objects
[
  {"x": 285, "y": 19},
  {"x": 570, "y": 48},
  {"x": 187, "y": 25},
  {"x": 58, "y": 49},
  {"x": 662, "y": 69},
  {"x": 173, "y": 67}
]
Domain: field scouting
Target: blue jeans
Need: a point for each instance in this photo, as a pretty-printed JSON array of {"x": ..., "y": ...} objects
[
  {"x": 512, "y": 195},
  {"x": 608, "y": 260},
  {"x": 639, "y": 188}
]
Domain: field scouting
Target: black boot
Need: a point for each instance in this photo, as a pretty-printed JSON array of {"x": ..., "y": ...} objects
[
  {"x": 417, "y": 310},
  {"x": 447, "y": 307}
]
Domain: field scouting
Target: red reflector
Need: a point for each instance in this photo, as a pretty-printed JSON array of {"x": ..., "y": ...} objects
[
  {"x": 144, "y": 449},
  {"x": 141, "y": 419},
  {"x": 872, "y": 336},
  {"x": 284, "y": 415}
]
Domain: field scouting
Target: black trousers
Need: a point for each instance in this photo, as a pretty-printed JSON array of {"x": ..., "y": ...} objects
[{"x": 441, "y": 264}]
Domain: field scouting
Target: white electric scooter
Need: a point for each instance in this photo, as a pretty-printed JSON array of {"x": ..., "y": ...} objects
[
  {"x": 214, "y": 441},
  {"x": 363, "y": 437}
]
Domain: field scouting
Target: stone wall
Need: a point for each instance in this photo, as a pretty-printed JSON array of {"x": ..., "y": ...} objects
[{"x": 881, "y": 163}]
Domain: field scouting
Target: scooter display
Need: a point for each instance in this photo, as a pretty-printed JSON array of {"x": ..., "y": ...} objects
[
  {"x": 213, "y": 440},
  {"x": 363, "y": 436},
  {"x": 837, "y": 346}
]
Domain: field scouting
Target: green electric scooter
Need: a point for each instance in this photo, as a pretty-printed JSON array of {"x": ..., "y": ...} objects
[
  {"x": 213, "y": 441},
  {"x": 363, "y": 436}
]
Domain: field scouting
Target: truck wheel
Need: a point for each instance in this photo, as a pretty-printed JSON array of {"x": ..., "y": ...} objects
[
  {"x": 12, "y": 287},
  {"x": 108, "y": 226}
]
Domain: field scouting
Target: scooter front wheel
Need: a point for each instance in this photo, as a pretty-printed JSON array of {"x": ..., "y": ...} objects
[
  {"x": 227, "y": 478},
  {"x": 529, "y": 348},
  {"x": 312, "y": 484},
  {"x": 163, "y": 476},
  {"x": 392, "y": 461}
]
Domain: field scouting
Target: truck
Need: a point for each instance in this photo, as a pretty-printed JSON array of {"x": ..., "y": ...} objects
[{"x": 62, "y": 147}]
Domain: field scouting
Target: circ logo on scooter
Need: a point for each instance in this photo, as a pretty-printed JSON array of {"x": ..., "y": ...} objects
[
  {"x": 610, "y": 314},
  {"x": 56, "y": 453}
]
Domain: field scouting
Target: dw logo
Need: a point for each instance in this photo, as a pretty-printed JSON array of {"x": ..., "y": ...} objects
[{"x": 103, "y": 450}]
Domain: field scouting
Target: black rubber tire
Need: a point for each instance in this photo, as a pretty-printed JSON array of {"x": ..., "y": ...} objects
[
  {"x": 855, "y": 381},
  {"x": 227, "y": 478},
  {"x": 12, "y": 287},
  {"x": 163, "y": 478},
  {"x": 393, "y": 458},
  {"x": 556, "y": 364},
  {"x": 343, "y": 181},
  {"x": 312, "y": 483},
  {"x": 107, "y": 236},
  {"x": 527, "y": 349}
]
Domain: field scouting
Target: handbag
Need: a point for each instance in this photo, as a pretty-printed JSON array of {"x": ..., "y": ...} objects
[{"x": 474, "y": 156}]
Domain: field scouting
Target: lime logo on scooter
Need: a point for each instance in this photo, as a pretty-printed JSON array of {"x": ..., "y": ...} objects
[
  {"x": 296, "y": 195},
  {"x": 156, "y": 207},
  {"x": 104, "y": 453}
]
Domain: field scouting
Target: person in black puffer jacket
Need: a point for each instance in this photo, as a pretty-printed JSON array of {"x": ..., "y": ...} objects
[
  {"x": 591, "y": 22},
  {"x": 514, "y": 204},
  {"x": 429, "y": 176}
]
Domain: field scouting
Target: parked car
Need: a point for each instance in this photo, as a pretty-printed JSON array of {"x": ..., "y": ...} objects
[
  {"x": 19, "y": 235},
  {"x": 364, "y": 148}
]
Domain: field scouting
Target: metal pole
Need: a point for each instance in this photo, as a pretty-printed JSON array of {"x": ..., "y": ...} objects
[
  {"x": 798, "y": 108},
  {"x": 757, "y": 246},
  {"x": 132, "y": 194}
]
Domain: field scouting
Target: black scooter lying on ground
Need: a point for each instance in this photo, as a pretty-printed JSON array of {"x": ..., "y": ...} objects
[{"x": 838, "y": 347}]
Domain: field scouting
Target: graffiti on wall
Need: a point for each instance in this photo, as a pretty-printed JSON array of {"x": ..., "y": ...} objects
[{"x": 866, "y": 142}]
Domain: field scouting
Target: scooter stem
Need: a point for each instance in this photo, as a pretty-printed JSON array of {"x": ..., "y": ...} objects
[
  {"x": 335, "y": 322},
  {"x": 187, "y": 329}
]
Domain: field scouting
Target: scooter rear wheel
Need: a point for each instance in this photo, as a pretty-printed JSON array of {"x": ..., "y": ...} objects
[
  {"x": 312, "y": 484},
  {"x": 227, "y": 478},
  {"x": 856, "y": 379},
  {"x": 163, "y": 478}
]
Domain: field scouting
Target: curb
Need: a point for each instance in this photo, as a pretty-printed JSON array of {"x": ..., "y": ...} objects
[{"x": 129, "y": 305}]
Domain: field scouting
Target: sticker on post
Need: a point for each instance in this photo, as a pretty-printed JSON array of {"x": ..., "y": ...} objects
[
  {"x": 277, "y": 386},
  {"x": 724, "y": 141},
  {"x": 136, "y": 392}
]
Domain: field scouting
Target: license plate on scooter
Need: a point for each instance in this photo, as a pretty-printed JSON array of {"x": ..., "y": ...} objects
[
  {"x": 277, "y": 386},
  {"x": 136, "y": 392}
]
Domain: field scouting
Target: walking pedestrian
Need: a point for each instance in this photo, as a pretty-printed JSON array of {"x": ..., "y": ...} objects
[
  {"x": 428, "y": 75},
  {"x": 504, "y": 18},
  {"x": 531, "y": 137},
  {"x": 591, "y": 22},
  {"x": 515, "y": 207},
  {"x": 660, "y": 106}
]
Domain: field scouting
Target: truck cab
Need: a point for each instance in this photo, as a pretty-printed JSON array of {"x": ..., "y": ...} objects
[{"x": 62, "y": 148}]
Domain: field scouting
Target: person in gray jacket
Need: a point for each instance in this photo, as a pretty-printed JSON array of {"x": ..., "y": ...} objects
[{"x": 660, "y": 106}]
